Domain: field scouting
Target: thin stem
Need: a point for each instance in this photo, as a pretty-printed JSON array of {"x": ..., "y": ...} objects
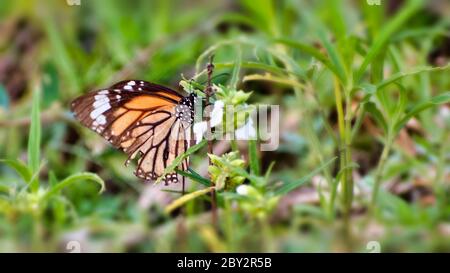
[
  {"x": 379, "y": 173},
  {"x": 209, "y": 93},
  {"x": 341, "y": 125},
  {"x": 348, "y": 157}
]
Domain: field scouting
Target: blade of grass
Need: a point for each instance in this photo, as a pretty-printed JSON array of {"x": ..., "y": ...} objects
[
  {"x": 437, "y": 100},
  {"x": 186, "y": 198},
  {"x": 270, "y": 78},
  {"x": 74, "y": 179},
  {"x": 237, "y": 68},
  {"x": 288, "y": 187},
  {"x": 34, "y": 137},
  {"x": 386, "y": 33},
  {"x": 195, "y": 177},
  {"x": 335, "y": 57},
  {"x": 401, "y": 75},
  {"x": 20, "y": 167}
]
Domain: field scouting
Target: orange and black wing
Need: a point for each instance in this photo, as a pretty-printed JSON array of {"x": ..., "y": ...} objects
[{"x": 141, "y": 119}]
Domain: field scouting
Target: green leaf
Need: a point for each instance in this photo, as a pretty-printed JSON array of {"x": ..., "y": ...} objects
[
  {"x": 34, "y": 138},
  {"x": 253, "y": 65},
  {"x": 79, "y": 177},
  {"x": 195, "y": 177},
  {"x": 382, "y": 39},
  {"x": 335, "y": 57},
  {"x": 237, "y": 68},
  {"x": 269, "y": 171},
  {"x": 437, "y": 100},
  {"x": 336, "y": 17},
  {"x": 20, "y": 167},
  {"x": 288, "y": 187},
  {"x": 402, "y": 75},
  {"x": 185, "y": 198},
  {"x": 376, "y": 113},
  {"x": 314, "y": 52},
  {"x": 177, "y": 161}
]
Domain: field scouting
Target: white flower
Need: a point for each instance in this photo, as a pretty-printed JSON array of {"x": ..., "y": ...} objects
[
  {"x": 217, "y": 113},
  {"x": 199, "y": 130},
  {"x": 216, "y": 119},
  {"x": 242, "y": 190},
  {"x": 247, "y": 131}
]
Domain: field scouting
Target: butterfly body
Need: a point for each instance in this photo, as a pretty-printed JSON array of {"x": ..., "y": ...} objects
[{"x": 145, "y": 120}]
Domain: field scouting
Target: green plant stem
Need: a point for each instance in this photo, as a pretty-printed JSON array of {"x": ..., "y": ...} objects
[
  {"x": 345, "y": 140},
  {"x": 266, "y": 235},
  {"x": 341, "y": 126},
  {"x": 348, "y": 192},
  {"x": 208, "y": 93},
  {"x": 379, "y": 174},
  {"x": 229, "y": 231}
]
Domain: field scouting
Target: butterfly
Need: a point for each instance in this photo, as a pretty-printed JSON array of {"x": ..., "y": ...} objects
[{"x": 145, "y": 120}]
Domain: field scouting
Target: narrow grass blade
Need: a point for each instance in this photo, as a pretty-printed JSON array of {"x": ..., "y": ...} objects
[
  {"x": 237, "y": 68},
  {"x": 195, "y": 177},
  {"x": 371, "y": 108},
  {"x": 401, "y": 75},
  {"x": 20, "y": 167},
  {"x": 34, "y": 137},
  {"x": 437, "y": 100},
  {"x": 335, "y": 57},
  {"x": 186, "y": 198},
  {"x": 79, "y": 177},
  {"x": 310, "y": 50},
  {"x": 288, "y": 187},
  {"x": 386, "y": 33}
]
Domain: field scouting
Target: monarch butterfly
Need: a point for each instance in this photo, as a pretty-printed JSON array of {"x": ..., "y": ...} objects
[{"x": 142, "y": 119}]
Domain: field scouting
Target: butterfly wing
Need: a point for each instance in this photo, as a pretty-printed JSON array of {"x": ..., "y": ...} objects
[{"x": 140, "y": 118}]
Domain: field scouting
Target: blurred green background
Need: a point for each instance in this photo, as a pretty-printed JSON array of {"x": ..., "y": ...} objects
[{"x": 389, "y": 61}]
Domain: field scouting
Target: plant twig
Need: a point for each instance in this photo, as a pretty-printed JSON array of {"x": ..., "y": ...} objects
[{"x": 209, "y": 92}]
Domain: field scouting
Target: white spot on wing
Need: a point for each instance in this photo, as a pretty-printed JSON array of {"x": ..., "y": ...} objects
[
  {"x": 101, "y": 119},
  {"x": 100, "y": 96},
  {"x": 100, "y": 110},
  {"x": 103, "y": 92},
  {"x": 131, "y": 83},
  {"x": 100, "y": 102},
  {"x": 128, "y": 87}
]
